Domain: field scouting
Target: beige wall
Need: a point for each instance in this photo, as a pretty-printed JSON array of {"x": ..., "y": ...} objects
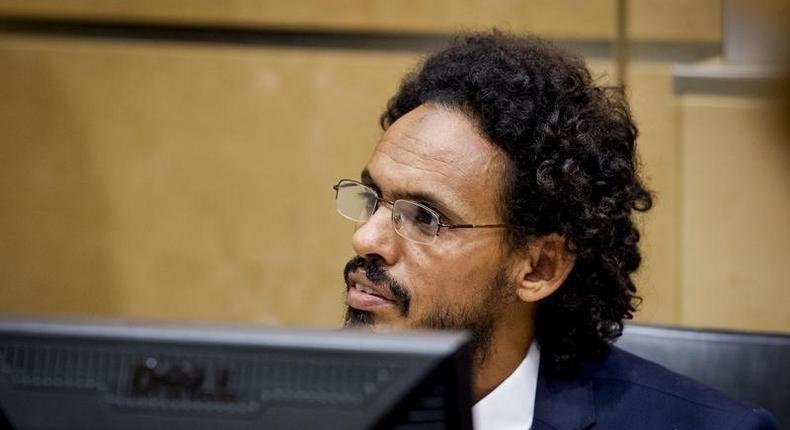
[
  {"x": 181, "y": 181},
  {"x": 157, "y": 179},
  {"x": 653, "y": 102},
  {"x": 735, "y": 208}
]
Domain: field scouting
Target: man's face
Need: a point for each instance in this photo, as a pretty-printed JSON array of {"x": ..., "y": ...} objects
[{"x": 436, "y": 157}]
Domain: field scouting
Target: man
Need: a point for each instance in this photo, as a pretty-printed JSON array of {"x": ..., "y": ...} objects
[{"x": 499, "y": 200}]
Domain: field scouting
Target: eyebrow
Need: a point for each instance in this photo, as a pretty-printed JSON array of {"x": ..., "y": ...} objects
[{"x": 423, "y": 197}]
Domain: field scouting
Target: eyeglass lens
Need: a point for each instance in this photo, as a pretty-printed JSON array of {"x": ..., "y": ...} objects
[
  {"x": 355, "y": 201},
  {"x": 410, "y": 219},
  {"x": 415, "y": 221}
]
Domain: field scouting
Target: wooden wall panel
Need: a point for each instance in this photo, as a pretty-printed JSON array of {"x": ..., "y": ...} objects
[
  {"x": 675, "y": 20},
  {"x": 735, "y": 212},
  {"x": 654, "y": 106},
  {"x": 649, "y": 20},
  {"x": 555, "y": 18},
  {"x": 181, "y": 181}
]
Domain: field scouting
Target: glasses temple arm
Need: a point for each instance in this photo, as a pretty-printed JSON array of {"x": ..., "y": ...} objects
[{"x": 456, "y": 226}]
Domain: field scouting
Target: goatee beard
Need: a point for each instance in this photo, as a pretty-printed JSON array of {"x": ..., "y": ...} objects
[{"x": 479, "y": 320}]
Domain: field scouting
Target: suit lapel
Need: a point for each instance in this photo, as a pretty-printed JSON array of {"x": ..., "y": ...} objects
[{"x": 563, "y": 404}]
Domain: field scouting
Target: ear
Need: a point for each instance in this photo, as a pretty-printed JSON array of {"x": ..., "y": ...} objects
[{"x": 543, "y": 267}]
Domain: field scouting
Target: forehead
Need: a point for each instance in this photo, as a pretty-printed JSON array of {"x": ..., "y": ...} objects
[{"x": 437, "y": 150}]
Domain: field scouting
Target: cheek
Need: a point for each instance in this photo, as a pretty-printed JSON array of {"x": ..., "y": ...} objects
[{"x": 452, "y": 275}]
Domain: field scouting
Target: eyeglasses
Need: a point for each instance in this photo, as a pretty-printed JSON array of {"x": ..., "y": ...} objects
[{"x": 412, "y": 220}]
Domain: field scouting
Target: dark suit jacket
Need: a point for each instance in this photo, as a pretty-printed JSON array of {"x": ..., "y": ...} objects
[{"x": 627, "y": 392}]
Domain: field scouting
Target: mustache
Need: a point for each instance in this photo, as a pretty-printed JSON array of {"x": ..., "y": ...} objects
[{"x": 377, "y": 274}]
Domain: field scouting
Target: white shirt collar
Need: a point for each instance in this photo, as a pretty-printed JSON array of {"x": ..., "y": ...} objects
[{"x": 512, "y": 403}]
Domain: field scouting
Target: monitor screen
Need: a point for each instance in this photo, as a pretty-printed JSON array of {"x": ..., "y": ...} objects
[{"x": 121, "y": 375}]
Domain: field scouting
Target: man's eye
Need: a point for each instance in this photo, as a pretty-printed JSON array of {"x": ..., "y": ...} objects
[
  {"x": 424, "y": 217},
  {"x": 370, "y": 201}
]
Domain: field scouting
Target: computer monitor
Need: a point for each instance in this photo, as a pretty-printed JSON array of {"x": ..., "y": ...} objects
[{"x": 77, "y": 374}]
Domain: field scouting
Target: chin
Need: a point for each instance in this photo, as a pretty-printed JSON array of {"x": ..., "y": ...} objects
[
  {"x": 363, "y": 319},
  {"x": 356, "y": 318}
]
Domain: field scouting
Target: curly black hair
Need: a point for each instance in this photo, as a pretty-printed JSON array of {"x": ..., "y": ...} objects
[{"x": 573, "y": 171}]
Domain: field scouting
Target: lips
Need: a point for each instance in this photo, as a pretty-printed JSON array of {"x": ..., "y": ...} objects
[{"x": 365, "y": 295}]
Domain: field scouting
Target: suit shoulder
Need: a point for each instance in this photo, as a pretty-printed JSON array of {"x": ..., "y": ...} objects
[
  {"x": 622, "y": 366},
  {"x": 622, "y": 377}
]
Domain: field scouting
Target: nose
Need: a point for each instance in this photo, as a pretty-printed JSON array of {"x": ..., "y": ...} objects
[{"x": 376, "y": 237}]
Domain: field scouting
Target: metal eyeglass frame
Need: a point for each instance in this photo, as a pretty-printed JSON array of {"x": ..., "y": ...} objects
[{"x": 440, "y": 224}]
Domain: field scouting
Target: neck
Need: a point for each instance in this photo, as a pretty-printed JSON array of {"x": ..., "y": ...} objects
[{"x": 509, "y": 345}]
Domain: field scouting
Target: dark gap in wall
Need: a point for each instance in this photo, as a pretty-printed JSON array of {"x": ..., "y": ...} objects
[{"x": 258, "y": 36}]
